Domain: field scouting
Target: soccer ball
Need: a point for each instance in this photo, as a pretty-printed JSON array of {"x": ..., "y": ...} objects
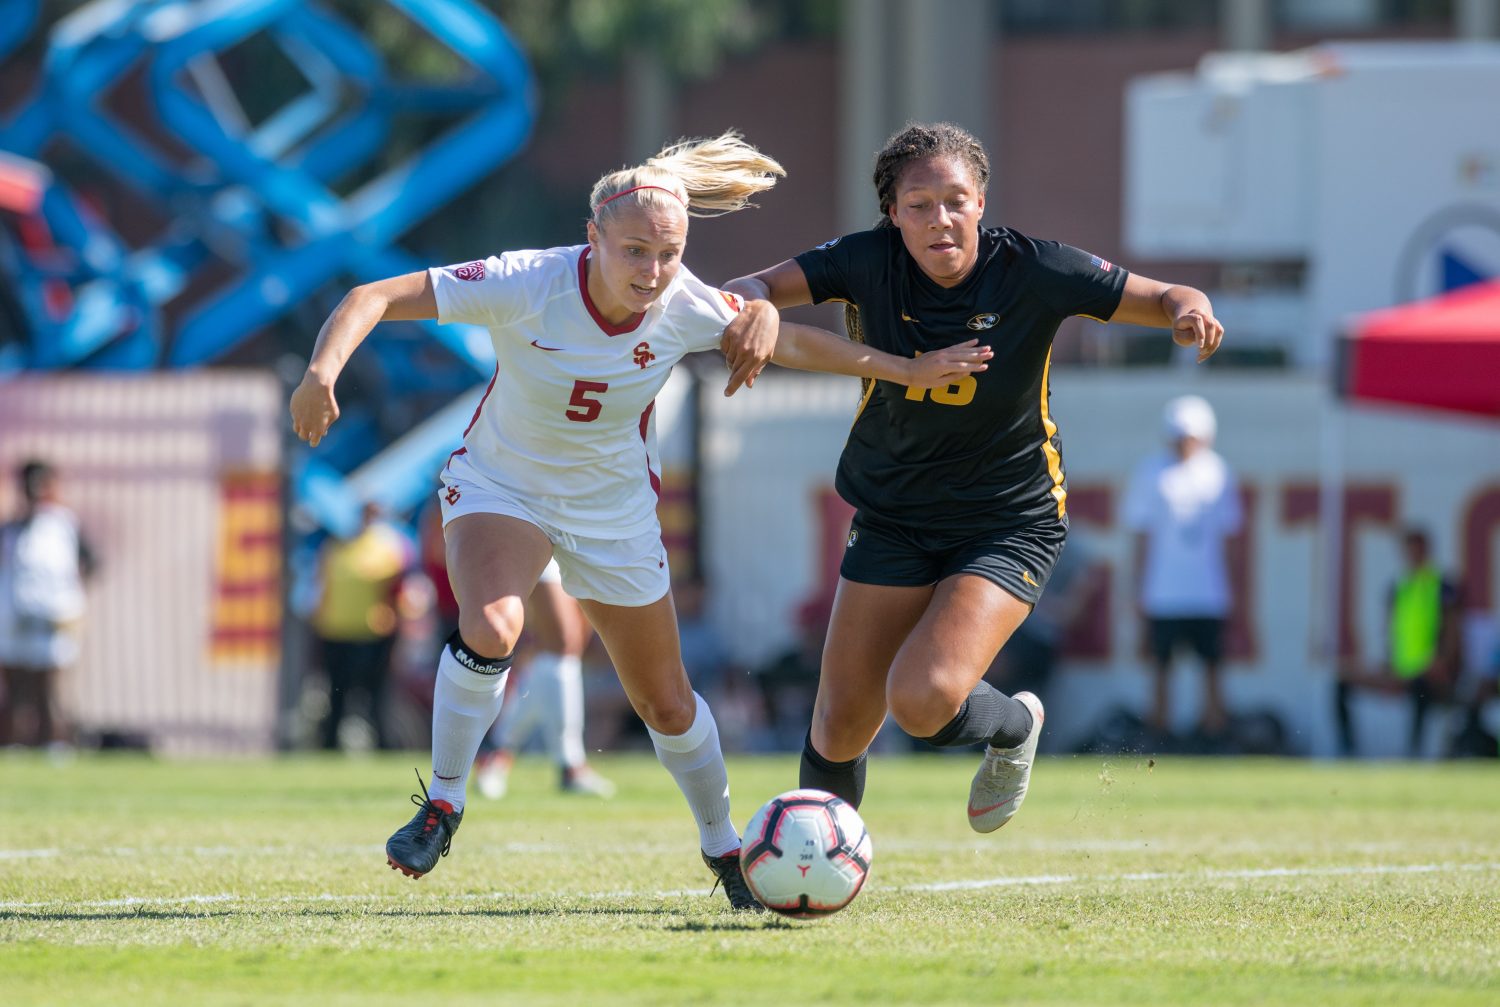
[{"x": 806, "y": 853}]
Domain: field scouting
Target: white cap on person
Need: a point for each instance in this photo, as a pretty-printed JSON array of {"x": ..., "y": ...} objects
[{"x": 1189, "y": 416}]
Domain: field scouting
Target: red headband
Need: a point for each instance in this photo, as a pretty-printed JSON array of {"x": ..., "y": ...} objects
[{"x": 638, "y": 188}]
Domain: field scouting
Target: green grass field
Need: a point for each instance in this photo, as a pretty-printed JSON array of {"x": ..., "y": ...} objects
[{"x": 134, "y": 881}]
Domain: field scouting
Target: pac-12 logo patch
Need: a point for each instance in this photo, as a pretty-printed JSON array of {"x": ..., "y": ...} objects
[
  {"x": 829, "y": 243},
  {"x": 983, "y": 321},
  {"x": 470, "y": 271}
]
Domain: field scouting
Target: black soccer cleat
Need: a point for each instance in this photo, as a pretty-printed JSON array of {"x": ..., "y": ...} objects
[
  {"x": 416, "y": 847},
  {"x": 727, "y": 872}
]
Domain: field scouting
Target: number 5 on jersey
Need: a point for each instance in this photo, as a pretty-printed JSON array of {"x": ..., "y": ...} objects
[{"x": 583, "y": 409}]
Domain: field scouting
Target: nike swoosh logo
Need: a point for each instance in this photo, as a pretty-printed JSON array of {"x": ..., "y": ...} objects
[
  {"x": 977, "y": 812},
  {"x": 549, "y": 349},
  {"x": 1026, "y": 576}
]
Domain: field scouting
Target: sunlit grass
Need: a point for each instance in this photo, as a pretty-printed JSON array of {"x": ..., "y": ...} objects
[{"x": 128, "y": 880}]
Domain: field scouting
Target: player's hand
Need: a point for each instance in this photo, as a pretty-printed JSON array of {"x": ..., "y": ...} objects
[
  {"x": 748, "y": 343},
  {"x": 945, "y": 366},
  {"x": 1200, "y": 329},
  {"x": 313, "y": 408}
]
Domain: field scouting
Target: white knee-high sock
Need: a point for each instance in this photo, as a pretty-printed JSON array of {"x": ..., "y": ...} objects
[
  {"x": 521, "y": 713},
  {"x": 697, "y": 764},
  {"x": 569, "y": 673},
  {"x": 465, "y": 701},
  {"x": 536, "y": 712}
]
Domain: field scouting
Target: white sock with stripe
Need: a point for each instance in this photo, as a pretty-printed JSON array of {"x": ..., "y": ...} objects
[{"x": 466, "y": 699}]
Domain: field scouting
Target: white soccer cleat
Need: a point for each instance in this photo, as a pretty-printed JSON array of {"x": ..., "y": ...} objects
[
  {"x": 585, "y": 780},
  {"x": 1000, "y": 785},
  {"x": 492, "y": 775}
]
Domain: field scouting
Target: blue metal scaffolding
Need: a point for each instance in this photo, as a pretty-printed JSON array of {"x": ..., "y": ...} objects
[{"x": 259, "y": 202}]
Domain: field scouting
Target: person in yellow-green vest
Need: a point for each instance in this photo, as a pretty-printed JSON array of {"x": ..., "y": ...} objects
[
  {"x": 357, "y": 618},
  {"x": 1423, "y": 656}
]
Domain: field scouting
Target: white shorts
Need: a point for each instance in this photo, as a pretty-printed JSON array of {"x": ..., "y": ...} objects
[
  {"x": 551, "y": 575},
  {"x": 631, "y": 572}
]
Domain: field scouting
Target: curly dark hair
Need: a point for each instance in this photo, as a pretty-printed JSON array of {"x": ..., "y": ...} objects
[
  {"x": 919, "y": 140},
  {"x": 916, "y": 141}
]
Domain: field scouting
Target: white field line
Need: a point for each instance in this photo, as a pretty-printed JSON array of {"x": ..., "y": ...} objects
[
  {"x": 559, "y": 849},
  {"x": 1038, "y": 845},
  {"x": 1248, "y": 873},
  {"x": 940, "y": 886}
]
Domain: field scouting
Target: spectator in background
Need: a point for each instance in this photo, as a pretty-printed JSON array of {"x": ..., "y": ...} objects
[
  {"x": 356, "y": 619},
  {"x": 789, "y": 682},
  {"x": 1026, "y": 662},
  {"x": 44, "y": 561},
  {"x": 705, "y": 655},
  {"x": 1473, "y": 740},
  {"x": 545, "y": 697},
  {"x": 434, "y": 563},
  {"x": 1183, "y": 504},
  {"x": 1423, "y": 652},
  {"x": 712, "y": 669}
]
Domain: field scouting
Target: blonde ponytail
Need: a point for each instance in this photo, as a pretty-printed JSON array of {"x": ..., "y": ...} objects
[{"x": 708, "y": 177}]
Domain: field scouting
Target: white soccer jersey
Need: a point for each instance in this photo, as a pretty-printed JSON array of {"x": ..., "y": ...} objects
[{"x": 566, "y": 423}]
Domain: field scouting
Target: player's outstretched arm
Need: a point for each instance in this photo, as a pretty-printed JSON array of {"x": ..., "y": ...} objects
[
  {"x": 808, "y": 348},
  {"x": 398, "y": 299},
  {"x": 750, "y": 340},
  {"x": 1184, "y": 310}
]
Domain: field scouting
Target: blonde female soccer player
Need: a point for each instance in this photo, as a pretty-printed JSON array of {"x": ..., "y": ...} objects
[{"x": 560, "y": 459}]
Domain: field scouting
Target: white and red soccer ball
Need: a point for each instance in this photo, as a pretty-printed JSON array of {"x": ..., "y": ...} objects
[{"x": 806, "y": 853}]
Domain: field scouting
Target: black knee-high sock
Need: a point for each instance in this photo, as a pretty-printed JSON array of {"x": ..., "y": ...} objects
[
  {"x": 842, "y": 779},
  {"x": 987, "y": 715},
  {"x": 1341, "y": 691}
]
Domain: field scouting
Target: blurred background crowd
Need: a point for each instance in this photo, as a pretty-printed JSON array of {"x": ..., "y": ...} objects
[{"x": 1292, "y": 550}]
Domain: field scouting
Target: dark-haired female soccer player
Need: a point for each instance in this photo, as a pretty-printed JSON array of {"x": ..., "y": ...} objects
[{"x": 960, "y": 495}]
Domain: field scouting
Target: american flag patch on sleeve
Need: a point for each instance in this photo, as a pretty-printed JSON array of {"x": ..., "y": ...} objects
[{"x": 1104, "y": 264}]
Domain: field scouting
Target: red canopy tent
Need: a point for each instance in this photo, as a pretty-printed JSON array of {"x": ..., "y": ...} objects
[{"x": 1442, "y": 353}]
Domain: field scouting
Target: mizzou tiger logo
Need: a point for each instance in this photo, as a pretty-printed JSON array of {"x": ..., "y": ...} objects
[{"x": 983, "y": 321}]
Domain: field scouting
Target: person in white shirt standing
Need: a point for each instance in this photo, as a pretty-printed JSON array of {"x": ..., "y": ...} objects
[
  {"x": 44, "y": 561},
  {"x": 560, "y": 458},
  {"x": 1184, "y": 506}
]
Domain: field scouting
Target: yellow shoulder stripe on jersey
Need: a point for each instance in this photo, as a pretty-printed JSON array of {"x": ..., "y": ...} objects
[
  {"x": 1054, "y": 460},
  {"x": 1094, "y": 318}
]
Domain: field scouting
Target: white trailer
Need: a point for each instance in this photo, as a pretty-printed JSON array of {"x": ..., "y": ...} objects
[{"x": 1330, "y": 181}]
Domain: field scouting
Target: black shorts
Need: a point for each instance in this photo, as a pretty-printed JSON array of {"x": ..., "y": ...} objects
[
  {"x": 1017, "y": 559},
  {"x": 1204, "y": 635}
]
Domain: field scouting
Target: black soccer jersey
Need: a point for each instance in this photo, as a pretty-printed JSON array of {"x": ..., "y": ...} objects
[{"x": 985, "y": 448}]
